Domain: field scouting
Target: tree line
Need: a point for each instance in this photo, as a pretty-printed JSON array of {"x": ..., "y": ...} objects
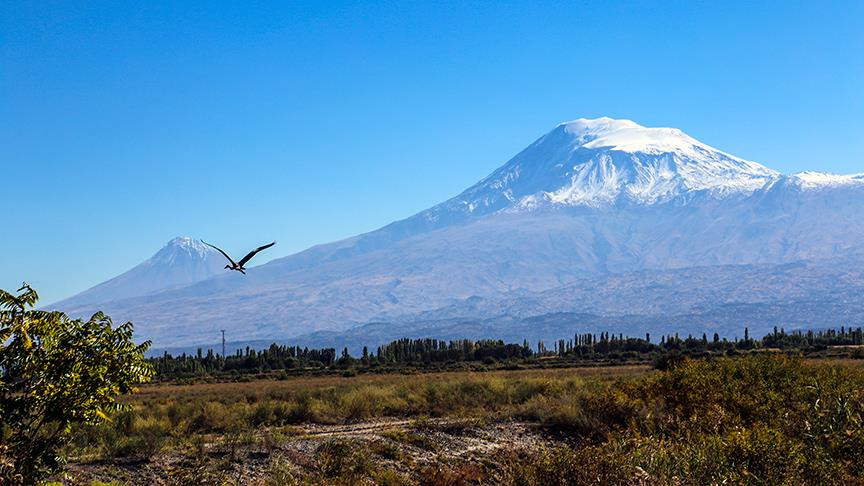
[{"x": 584, "y": 347}]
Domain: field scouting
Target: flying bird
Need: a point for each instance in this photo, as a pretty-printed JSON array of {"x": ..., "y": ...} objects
[{"x": 239, "y": 265}]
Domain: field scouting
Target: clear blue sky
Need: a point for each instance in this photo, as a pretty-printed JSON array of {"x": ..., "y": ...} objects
[{"x": 124, "y": 124}]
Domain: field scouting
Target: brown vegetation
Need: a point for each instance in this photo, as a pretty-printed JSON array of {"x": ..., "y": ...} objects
[{"x": 759, "y": 419}]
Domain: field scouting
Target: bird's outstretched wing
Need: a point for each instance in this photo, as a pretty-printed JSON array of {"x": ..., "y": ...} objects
[
  {"x": 253, "y": 252},
  {"x": 222, "y": 252}
]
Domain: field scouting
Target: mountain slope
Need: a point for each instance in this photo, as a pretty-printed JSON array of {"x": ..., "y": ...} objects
[
  {"x": 597, "y": 163},
  {"x": 589, "y": 199},
  {"x": 182, "y": 261},
  {"x": 584, "y": 164}
]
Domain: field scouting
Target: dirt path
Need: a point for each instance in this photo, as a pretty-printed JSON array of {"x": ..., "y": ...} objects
[
  {"x": 354, "y": 430},
  {"x": 379, "y": 426},
  {"x": 401, "y": 445}
]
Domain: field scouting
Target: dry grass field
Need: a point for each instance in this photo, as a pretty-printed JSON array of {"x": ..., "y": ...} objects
[
  {"x": 258, "y": 388},
  {"x": 759, "y": 419}
]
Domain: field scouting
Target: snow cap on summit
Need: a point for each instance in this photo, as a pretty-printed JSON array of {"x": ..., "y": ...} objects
[
  {"x": 185, "y": 244},
  {"x": 603, "y": 162},
  {"x": 629, "y": 136}
]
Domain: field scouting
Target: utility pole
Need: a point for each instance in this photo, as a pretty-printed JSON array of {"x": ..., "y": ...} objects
[{"x": 223, "y": 343}]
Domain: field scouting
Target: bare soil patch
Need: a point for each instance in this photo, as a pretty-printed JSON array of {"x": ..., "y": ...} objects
[{"x": 403, "y": 447}]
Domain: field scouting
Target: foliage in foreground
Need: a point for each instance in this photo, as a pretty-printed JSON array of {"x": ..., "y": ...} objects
[
  {"x": 757, "y": 419},
  {"x": 56, "y": 372}
]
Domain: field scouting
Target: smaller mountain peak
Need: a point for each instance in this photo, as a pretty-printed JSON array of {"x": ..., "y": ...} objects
[
  {"x": 185, "y": 244},
  {"x": 182, "y": 261},
  {"x": 182, "y": 241}
]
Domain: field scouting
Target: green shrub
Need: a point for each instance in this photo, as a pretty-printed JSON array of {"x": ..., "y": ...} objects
[
  {"x": 343, "y": 459},
  {"x": 264, "y": 413}
]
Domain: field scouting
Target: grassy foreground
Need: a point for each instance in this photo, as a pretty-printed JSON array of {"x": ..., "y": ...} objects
[{"x": 757, "y": 419}]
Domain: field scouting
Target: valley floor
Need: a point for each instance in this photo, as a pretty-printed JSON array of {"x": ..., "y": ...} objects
[{"x": 764, "y": 418}]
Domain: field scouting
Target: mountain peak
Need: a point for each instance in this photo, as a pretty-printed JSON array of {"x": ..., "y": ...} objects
[
  {"x": 181, "y": 241},
  {"x": 182, "y": 261},
  {"x": 602, "y": 162},
  {"x": 628, "y": 136},
  {"x": 183, "y": 247},
  {"x": 597, "y": 125},
  {"x": 188, "y": 243}
]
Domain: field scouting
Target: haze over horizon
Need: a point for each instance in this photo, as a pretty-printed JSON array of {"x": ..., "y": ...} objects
[{"x": 309, "y": 123}]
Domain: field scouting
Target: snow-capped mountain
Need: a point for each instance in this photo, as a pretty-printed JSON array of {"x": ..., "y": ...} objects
[
  {"x": 589, "y": 200},
  {"x": 182, "y": 261},
  {"x": 602, "y": 162}
]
